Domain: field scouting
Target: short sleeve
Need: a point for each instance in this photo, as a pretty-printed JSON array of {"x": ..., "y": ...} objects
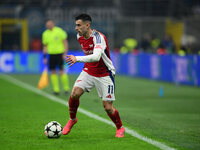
[{"x": 63, "y": 34}]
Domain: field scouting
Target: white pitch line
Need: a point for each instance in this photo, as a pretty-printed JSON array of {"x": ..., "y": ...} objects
[{"x": 87, "y": 113}]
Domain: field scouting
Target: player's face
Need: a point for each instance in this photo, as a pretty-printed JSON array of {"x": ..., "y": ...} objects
[
  {"x": 49, "y": 25},
  {"x": 82, "y": 27}
]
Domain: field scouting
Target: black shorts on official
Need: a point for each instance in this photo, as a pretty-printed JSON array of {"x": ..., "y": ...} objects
[{"x": 56, "y": 60}]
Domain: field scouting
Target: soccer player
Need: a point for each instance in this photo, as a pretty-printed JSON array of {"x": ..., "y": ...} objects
[
  {"x": 55, "y": 44},
  {"x": 98, "y": 72}
]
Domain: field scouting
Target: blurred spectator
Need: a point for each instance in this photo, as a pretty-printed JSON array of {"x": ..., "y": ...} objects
[
  {"x": 168, "y": 44},
  {"x": 129, "y": 45},
  {"x": 156, "y": 45},
  {"x": 155, "y": 42},
  {"x": 161, "y": 50},
  {"x": 36, "y": 44},
  {"x": 145, "y": 43},
  {"x": 182, "y": 51},
  {"x": 189, "y": 44},
  {"x": 124, "y": 50}
]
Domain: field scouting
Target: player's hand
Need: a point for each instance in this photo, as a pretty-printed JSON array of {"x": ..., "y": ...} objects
[{"x": 71, "y": 59}]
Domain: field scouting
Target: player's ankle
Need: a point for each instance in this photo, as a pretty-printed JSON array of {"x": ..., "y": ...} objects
[
  {"x": 73, "y": 119},
  {"x": 120, "y": 127}
]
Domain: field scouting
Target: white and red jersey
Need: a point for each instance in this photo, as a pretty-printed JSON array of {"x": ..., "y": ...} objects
[{"x": 97, "y": 42}]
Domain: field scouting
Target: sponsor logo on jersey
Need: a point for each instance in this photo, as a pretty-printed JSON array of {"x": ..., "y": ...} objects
[
  {"x": 91, "y": 45},
  {"x": 98, "y": 46},
  {"x": 86, "y": 52}
]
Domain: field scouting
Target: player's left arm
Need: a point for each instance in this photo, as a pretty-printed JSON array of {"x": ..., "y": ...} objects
[
  {"x": 97, "y": 52},
  {"x": 45, "y": 51}
]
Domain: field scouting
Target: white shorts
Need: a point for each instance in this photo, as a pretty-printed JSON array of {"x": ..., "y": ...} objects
[{"x": 104, "y": 85}]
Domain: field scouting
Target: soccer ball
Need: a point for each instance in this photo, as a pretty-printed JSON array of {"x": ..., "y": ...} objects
[{"x": 53, "y": 129}]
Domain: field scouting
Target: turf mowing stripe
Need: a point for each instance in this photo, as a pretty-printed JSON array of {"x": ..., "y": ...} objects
[{"x": 87, "y": 113}]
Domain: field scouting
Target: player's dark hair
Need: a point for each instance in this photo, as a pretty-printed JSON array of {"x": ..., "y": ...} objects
[
  {"x": 49, "y": 19},
  {"x": 84, "y": 17}
]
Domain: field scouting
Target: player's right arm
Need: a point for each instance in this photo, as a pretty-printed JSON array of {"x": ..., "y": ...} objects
[
  {"x": 45, "y": 61},
  {"x": 71, "y": 59},
  {"x": 44, "y": 42}
]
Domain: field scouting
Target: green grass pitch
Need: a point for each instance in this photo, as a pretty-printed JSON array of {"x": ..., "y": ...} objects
[{"x": 173, "y": 119}]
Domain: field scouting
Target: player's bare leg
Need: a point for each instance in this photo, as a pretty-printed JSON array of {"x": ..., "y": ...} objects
[
  {"x": 114, "y": 116},
  {"x": 73, "y": 106}
]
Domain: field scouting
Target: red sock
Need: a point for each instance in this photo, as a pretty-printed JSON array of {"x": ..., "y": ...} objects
[
  {"x": 73, "y": 106},
  {"x": 116, "y": 119}
]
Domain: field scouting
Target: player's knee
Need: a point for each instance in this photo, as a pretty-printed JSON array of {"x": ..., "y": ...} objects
[
  {"x": 76, "y": 93},
  {"x": 108, "y": 109}
]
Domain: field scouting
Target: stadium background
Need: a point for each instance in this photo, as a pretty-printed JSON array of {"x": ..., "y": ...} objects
[
  {"x": 22, "y": 24},
  {"x": 146, "y": 103}
]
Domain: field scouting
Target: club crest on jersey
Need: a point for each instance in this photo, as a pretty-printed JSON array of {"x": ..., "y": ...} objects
[{"x": 91, "y": 45}]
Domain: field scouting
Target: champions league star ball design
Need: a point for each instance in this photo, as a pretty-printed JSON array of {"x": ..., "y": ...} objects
[{"x": 53, "y": 129}]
